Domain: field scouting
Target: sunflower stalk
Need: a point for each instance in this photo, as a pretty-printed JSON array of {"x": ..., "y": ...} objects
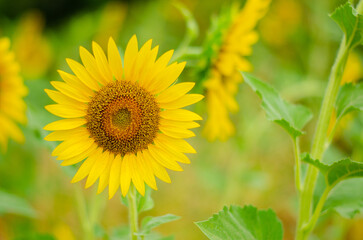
[
  {"x": 306, "y": 221},
  {"x": 86, "y": 223},
  {"x": 133, "y": 213}
]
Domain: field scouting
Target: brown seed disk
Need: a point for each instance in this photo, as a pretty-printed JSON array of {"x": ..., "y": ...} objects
[{"x": 123, "y": 118}]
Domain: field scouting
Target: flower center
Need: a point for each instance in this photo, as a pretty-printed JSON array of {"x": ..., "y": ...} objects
[{"x": 123, "y": 118}]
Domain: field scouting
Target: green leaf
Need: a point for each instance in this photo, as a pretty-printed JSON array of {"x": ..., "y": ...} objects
[
  {"x": 15, "y": 205},
  {"x": 247, "y": 223},
  {"x": 346, "y": 198},
  {"x": 144, "y": 203},
  {"x": 350, "y": 22},
  {"x": 289, "y": 116},
  {"x": 149, "y": 222},
  {"x": 350, "y": 98},
  {"x": 337, "y": 171}
]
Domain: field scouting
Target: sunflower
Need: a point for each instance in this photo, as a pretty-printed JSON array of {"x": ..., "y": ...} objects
[
  {"x": 124, "y": 119},
  {"x": 235, "y": 42},
  {"x": 12, "y": 91}
]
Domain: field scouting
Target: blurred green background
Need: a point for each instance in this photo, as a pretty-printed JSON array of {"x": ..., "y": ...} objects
[{"x": 296, "y": 49}]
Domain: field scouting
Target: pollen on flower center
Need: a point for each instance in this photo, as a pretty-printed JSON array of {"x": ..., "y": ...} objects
[{"x": 123, "y": 118}]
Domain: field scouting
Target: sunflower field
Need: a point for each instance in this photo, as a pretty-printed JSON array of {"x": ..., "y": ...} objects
[{"x": 183, "y": 119}]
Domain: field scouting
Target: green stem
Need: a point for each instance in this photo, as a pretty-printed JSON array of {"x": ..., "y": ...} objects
[
  {"x": 320, "y": 138},
  {"x": 310, "y": 225},
  {"x": 86, "y": 224},
  {"x": 133, "y": 213},
  {"x": 297, "y": 164}
]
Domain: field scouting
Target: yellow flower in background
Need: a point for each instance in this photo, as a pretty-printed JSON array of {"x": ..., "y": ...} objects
[
  {"x": 281, "y": 22},
  {"x": 31, "y": 48},
  {"x": 112, "y": 18},
  {"x": 12, "y": 92},
  {"x": 224, "y": 76},
  {"x": 352, "y": 74},
  {"x": 124, "y": 119},
  {"x": 353, "y": 69}
]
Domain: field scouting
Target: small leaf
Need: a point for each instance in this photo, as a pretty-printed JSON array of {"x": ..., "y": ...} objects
[
  {"x": 144, "y": 203},
  {"x": 350, "y": 22},
  {"x": 346, "y": 198},
  {"x": 350, "y": 98},
  {"x": 338, "y": 171},
  {"x": 149, "y": 223},
  {"x": 289, "y": 116},
  {"x": 247, "y": 223},
  {"x": 13, "y": 204}
]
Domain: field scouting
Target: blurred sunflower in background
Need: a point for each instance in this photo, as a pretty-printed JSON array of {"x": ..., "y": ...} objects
[
  {"x": 125, "y": 119},
  {"x": 230, "y": 40},
  {"x": 31, "y": 47},
  {"x": 12, "y": 92}
]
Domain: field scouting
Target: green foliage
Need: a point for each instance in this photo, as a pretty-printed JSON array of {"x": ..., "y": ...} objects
[
  {"x": 149, "y": 223},
  {"x": 37, "y": 236},
  {"x": 144, "y": 203},
  {"x": 346, "y": 198},
  {"x": 351, "y": 23},
  {"x": 15, "y": 205},
  {"x": 289, "y": 116},
  {"x": 247, "y": 223},
  {"x": 350, "y": 98},
  {"x": 337, "y": 171}
]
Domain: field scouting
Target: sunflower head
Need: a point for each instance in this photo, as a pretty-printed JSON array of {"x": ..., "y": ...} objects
[
  {"x": 124, "y": 118},
  {"x": 12, "y": 92},
  {"x": 229, "y": 43}
]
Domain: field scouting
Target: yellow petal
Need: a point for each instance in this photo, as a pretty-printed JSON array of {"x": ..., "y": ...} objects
[
  {"x": 176, "y": 132},
  {"x": 114, "y": 179},
  {"x": 102, "y": 63},
  {"x": 86, "y": 166},
  {"x": 12, "y": 130},
  {"x": 180, "y": 157},
  {"x": 125, "y": 175},
  {"x": 136, "y": 177},
  {"x": 141, "y": 59},
  {"x": 65, "y": 124},
  {"x": 70, "y": 91},
  {"x": 77, "y": 84},
  {"x": 91, "y": 66},
  {"x": 166, "y": 77},
  {"x": 98, "y": 168},
  {"x": 114, "y": 59},
  {"x": 79, "y": 157},
  {"x": 165, "y": 159},
  {"x": 144, "y": 77},
  {"x": 146, "y": 170},
  {"x": 183, "y": 101},
  {"x": 162, "y": 62},
  {"x": 180, "y": 115},
  {"x": 65, "y": 111},
  {"x": 158, "y": 170},
  {"x": 73, "y": 147},
  {"x": 174, "y": 92},
  {"x": 178, "y": 144},
  {"x": 63, "y": 99},
  {"x": 104, "y": 178},
  {"x": 83, "y": 75},
  {"x": 66, "y": 134},
  {"x": 130, "y": 56},
  {"x": 178, "y": 124}
]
